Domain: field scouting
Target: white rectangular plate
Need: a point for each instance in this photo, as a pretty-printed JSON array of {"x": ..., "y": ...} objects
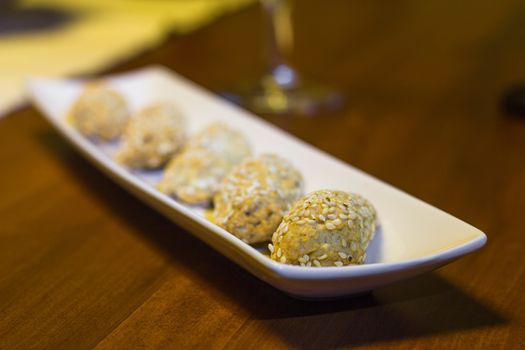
[{"x": 413, "y": 237}]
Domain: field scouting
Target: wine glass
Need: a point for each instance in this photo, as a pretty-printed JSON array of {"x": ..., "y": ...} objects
[{"x": 281, "y": 90}]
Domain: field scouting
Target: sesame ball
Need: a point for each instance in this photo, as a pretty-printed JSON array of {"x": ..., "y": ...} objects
[
  {"x": 194, "y": 174},
  {"x": 325, "y": 228},
  {"x": 100, "y": 112},
  {"x": 222, "y": 140},
  {"x": 253, "y": 198},
  {"x": 152, "y": 136}
]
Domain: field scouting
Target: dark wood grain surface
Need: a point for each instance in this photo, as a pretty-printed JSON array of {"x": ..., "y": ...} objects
[{"x": 83, "y": 264}]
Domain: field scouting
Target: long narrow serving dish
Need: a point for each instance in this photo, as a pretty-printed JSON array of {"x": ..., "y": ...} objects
[{"x": 413, "y": 236}]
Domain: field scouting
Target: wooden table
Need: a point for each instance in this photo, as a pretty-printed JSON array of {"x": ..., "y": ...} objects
[{"x": 83, "y": 264}]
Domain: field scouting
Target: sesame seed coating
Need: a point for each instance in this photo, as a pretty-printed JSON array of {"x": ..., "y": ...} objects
[
  {"x": 100, "y": 111},
  {"x": 194, "y": 175},
  {"x": 222, "y": 141},
  {"x": 255, "y": 195},
  {"x": 152, "y": 136},
  {"x": 330, "y": 242}
]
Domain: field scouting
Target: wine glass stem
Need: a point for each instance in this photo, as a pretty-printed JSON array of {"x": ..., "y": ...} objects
[{"x": 279, "y": 41}]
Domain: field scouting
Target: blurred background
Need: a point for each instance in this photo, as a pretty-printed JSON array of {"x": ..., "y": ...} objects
[
  {"x": 60, "y": 37},
  {"x": 369, "y": 50}
]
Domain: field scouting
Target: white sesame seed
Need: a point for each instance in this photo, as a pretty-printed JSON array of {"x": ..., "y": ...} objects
[
  {"x": 317, "y": 263},
  {"x": 279, "y": 252},
  {"x": 322, "y": 257},
  {"x": 270, "y": 248},
  {"x": 302, "y": 264},
  {"x": 309, "y": 264},
  {"x": 307, "y": 213},
  {"x": 343, "y": 216},
  {"x": 342, "y": 255},
  {"x": 330, "y": 226},
  {"x": 353, "y": 246},
  {"x": 337, "y": 222},
  {"x": 301, "y": 260},
  {"x": 331, "y": 216},
  {"x": 306, "y": 257},
  {"x": 338, "y": 263},
  {"x": 300, "y": 222},
  {"x": 343, "y": 242},
  {"x": 311, "y": 222},
  {"x": 350, "y": 223},
  {"x": 283, "y": 259},
  {"x": 284, "y": 229}
]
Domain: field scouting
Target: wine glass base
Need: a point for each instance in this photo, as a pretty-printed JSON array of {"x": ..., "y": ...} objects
[{"x": 304, "y": 99}]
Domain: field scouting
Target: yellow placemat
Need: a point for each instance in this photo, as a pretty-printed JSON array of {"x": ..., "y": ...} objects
[{"x": 103, "y": 33}]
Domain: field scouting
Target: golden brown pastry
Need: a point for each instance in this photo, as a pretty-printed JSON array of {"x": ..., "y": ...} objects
[
  {"x": 100, "y": 112},
  {"x": 194, "y": 174},
  {"x": 325, "y": 228},
  {"x": 152, "y": 136},
  {"x": 254, "y": 197}
]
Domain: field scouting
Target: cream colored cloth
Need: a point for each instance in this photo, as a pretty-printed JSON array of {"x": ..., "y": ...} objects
[{"x": 105, "y": 33}]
